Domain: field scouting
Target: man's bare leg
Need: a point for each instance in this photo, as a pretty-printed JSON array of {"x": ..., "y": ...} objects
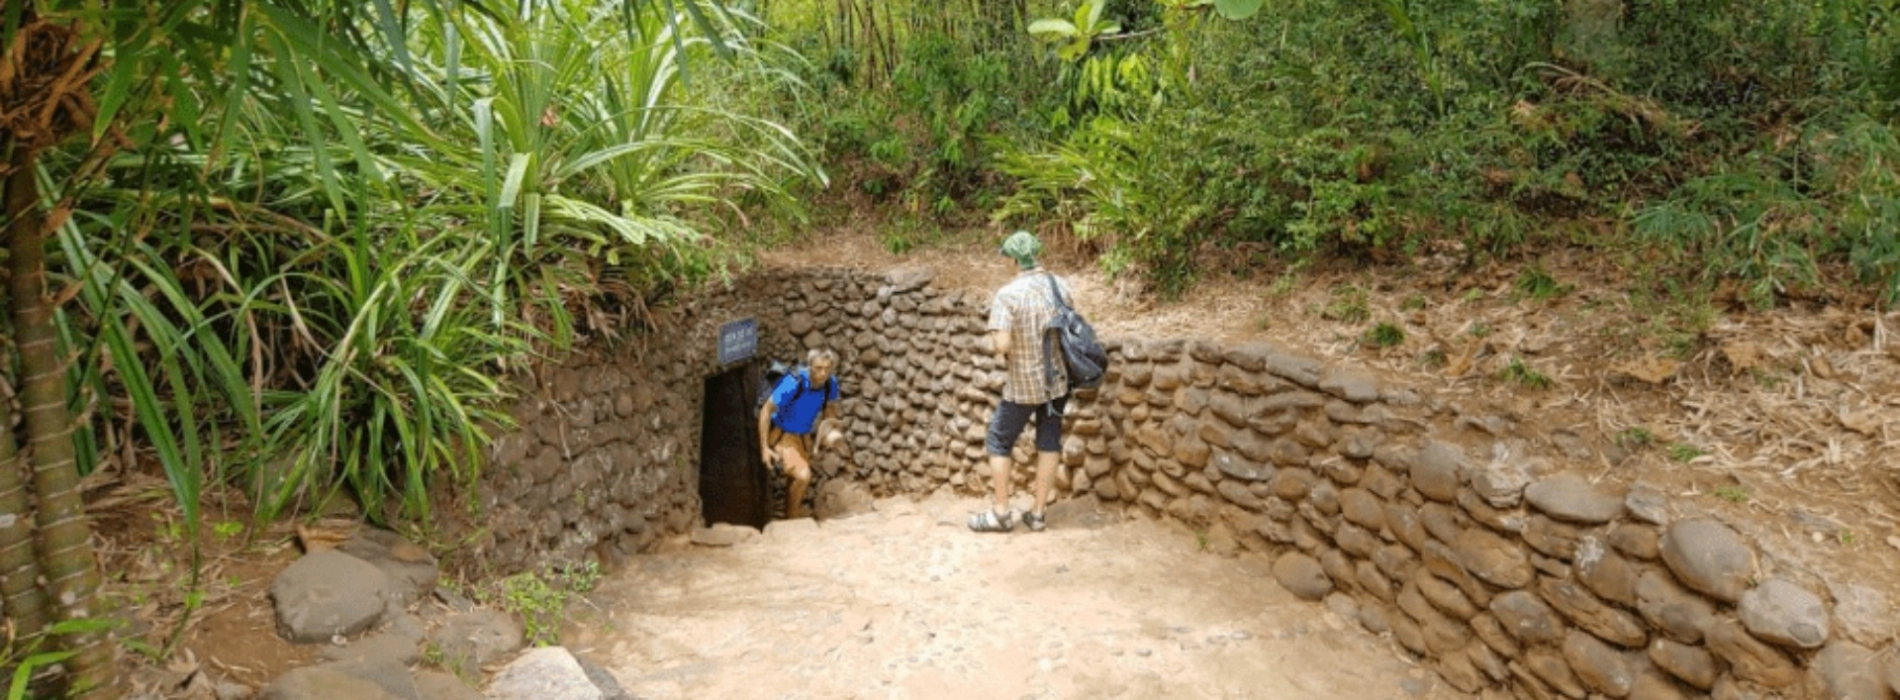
[
  {"x": 1046, "y": 464},
  {"x": 799, "y": 471},
  {"x": 999, "y": 479}
]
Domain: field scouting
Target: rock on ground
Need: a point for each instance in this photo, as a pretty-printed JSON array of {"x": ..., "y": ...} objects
[
  {"x": 318, "y": 683},
  {"x": 1569, "y": 498},
  {"x": 399, "y": 640},
  {"x": 1302, "y": 576},
  {"x": 722, "y": 535},
  {"x": 470, "y": 639},
  {"x": 411, "y": 569},
  {"x": 1709, "y": 557},
  {"x": 1784, "y": 613},
  {"x": 438, "y": 685},
  {"x": 326, "y": 594},
  {"x": 546, "y": 673}
]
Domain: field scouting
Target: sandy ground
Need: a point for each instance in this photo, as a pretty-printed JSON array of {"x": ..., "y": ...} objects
[{"x": 906, "y": 603}]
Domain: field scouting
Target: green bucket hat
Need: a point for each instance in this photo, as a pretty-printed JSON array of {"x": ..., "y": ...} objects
[{"x": 1024, "y": 247}]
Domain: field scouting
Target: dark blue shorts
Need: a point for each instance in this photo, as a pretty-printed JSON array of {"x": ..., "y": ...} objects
[{"x": 1007, "y": 424}]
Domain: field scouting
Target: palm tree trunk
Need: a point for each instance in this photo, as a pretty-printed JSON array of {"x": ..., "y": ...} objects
[
  {"x": 66, "y": 558},
  {"x": 20, "y": 594}
]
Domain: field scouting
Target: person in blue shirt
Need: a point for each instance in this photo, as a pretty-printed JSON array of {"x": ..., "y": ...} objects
[{"x": 789, "y": 420}]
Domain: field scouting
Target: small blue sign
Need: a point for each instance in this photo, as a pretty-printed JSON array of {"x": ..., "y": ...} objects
[{"x": 738, "y": 341}]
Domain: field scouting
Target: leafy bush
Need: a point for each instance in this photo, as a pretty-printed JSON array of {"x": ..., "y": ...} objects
[
  {"x": 1746, "y": 142},
  {"x": 312, "y": 305}
]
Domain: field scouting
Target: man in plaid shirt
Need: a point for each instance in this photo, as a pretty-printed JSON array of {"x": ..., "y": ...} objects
[{"x": 1036, "y": 385}]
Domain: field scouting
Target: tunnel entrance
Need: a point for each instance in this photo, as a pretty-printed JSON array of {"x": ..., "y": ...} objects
[{"x": 733, "y": 487}]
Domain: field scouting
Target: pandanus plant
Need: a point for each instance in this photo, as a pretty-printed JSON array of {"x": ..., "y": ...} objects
[{"x": 89, "y": 85}]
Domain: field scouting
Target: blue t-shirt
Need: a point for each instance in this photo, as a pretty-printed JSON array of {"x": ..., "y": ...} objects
[{"x": 798, "y": 416}]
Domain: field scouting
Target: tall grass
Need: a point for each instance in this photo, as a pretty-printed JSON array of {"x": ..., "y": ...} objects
[{"x": 406, "y": 378}]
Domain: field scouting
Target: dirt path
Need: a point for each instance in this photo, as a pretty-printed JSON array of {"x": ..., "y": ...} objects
[{"x": 905, "y": 602}]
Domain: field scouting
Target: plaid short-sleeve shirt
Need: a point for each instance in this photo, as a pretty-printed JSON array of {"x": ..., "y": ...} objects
[{"x": 1023, "y": 308}]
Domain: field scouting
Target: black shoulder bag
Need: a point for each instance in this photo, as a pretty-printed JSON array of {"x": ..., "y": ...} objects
[{"x": 1074, "y": 339}]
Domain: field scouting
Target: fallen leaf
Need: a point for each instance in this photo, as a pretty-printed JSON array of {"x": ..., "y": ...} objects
[
  {"x": 1855, "y": 336},
  {"x": 186, "y": 663},
  {"x": 1742, "y": 356},
  {"x": 315, "y": 540},
  {"x": 404, "y": 550},
  {"x": 1458, "y": 366},
  {"x": 1865, "y": 422},
  {"x": 1655, "y": 370},
  {"x": 1822, "y": 368}
]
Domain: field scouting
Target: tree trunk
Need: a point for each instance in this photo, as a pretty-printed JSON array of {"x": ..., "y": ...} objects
[
  {"x": 66, "y": 557},
  {"x": 20, "y": 594}
]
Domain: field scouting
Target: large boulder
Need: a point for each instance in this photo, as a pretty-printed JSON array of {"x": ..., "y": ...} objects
[
  {"x": 327, "y": 594},
  {"x": 545, "y": 673}
]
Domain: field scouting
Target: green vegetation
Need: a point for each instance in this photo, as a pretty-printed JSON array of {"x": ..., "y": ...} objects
[
  {"x": 1536, "y": 284},
  {"x": 1684, "y": 452},
  {"x": 25, "y": 659},
  {"x": 1732, "y": 494},
  {"x": 292, "y": 248},
  {"x": 1384, "y": 335},
  {"x": 1349, "y": 304},
  {"x": 227, "y": 529},
  {"x": 540, "y": 598},
  {"x": 1519, "y": 373},
  {"x": 1635, "y": 438},
  {"x": 1701, "y": 141},
  {"x": 301, "y": 243}
]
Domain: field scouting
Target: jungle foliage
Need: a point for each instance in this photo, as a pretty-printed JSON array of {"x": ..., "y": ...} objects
[
  {"x": 296, "y": 248},
  {"x": 1725, "y": 142}
]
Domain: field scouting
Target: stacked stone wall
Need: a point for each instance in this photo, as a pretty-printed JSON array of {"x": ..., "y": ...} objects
[{"x": 1515, "y": 573}]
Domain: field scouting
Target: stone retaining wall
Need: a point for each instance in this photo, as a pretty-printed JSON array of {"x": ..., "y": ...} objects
[{"x": 1503, "y": 565}]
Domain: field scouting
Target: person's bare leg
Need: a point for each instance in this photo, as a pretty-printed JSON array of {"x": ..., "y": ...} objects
[
  {"x": 1046, "y": 464},
  {"x": 799, "y": 471},
  {"x": 999, "y": 471}
]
